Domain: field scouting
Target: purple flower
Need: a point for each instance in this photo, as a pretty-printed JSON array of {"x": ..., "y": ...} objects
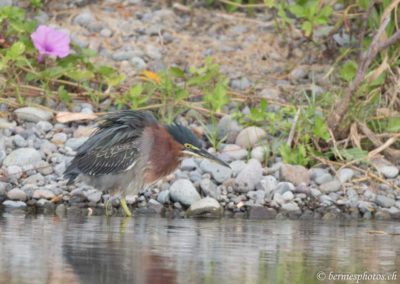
[{"x": 51, "y": 42}]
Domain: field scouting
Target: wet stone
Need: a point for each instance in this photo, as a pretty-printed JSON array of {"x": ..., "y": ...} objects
[
  {"x": 259, "y": 213},
  {"x": 205, "y": 207},
  {"x": 184, "y": 192},
  {"x": 10, "y": 204},
  {"x": 16, "y": 194},
  {"x": 384, "y": 201}
]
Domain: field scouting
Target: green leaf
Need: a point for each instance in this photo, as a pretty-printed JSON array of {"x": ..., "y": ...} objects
[
  {"x": 353, "y": 154},
  {"x": 393, "y": 124},
  {"x": 177, "y": 72},
  {"x": 325, "y": 12},
  {"x": 15, "y": 50},
  {"x": 115, "y": 79},
  {"x": 320, "y": 129},
  {"x": 64, "y": 95},
  {"x": 348, "y": 71},
  {"x": 297, "y": 10},
  {"x": 307, "y": 28},
  {"x": 80, "y": 75}
]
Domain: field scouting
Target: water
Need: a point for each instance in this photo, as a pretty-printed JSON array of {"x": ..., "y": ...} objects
[{"x": 156, "y": 250}]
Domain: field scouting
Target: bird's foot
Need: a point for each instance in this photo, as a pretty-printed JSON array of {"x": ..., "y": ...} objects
[{"x": 125, "y": 207}]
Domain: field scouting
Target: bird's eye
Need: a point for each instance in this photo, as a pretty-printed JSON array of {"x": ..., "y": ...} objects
[{"x": 187, "y": 145}]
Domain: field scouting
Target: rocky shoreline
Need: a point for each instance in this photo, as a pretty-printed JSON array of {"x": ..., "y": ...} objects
[
  {"x": 135, "y": 35},
  {"x": 34, "y": 152}
]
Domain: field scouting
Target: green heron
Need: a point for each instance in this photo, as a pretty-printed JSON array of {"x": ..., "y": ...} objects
[{"x": 130, "y": 150}]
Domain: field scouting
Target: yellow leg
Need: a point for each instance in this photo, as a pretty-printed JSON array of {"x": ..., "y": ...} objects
[{"x": 125, "y": 207}]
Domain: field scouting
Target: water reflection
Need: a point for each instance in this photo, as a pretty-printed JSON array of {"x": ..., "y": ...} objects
[{"x": 156, "y": 250}]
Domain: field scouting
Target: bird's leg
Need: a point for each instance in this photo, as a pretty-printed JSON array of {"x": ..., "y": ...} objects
[{"x": 125, "y": 206}]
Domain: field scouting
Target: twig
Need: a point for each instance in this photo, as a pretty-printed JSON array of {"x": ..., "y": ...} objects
[{"x": 293, "y": 128}]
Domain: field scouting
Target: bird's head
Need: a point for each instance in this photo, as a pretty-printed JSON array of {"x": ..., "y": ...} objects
[{"x": 191, "y": 145}]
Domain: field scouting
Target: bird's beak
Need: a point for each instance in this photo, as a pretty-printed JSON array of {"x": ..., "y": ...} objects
[{"x": 204, "y": 154}]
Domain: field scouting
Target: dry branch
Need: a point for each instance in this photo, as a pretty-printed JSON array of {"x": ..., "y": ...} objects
[{"x": 335, "y": 118}]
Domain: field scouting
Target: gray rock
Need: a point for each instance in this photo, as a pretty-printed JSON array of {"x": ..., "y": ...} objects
[
  {"x": 84, "y": 19},
  {"x": 163, "y": 197},
  {"x": 384, "y": 201},
  {"x": 45, "y": 126},
  {"x": 209, "y": 188},
  {"x": 42, "y": 17},
  {"x": 33, "y": 114},
  {"x": 10, "y": 204},
  {"x": 75, "y": 143},
  {"x": 16, "y": 194},
  {"x": 19, "y": 141},
  {"x": 138, "y": 63},
  {"x": 44, "y": 168},
  {"x": 188, "y": 164},
  {"x": 184, "y": 192},
  {"x": 295, "y": 174},
  {"x": 219, "y": 173},
  {"x": 22, "y": 157},
  {"x": 259, "y": 212},
  {"x": 205, "y": 206},
  {"x": 283, "y": 187},
  {"x": 4, "y": 124},
  {"x": 259, "y": 153},
  {"x": 271, "y": 93},
  {"x": 59, "y": 138},
  {"x": 249, "y": 136},
  {"x": 123, "y": 55},
  {"x": 249, "y": 176},
  {"x": 233, "y": 152},
  {"x": 106, "y": 32},
  {"x": 315, "y": 192},
  {"x": 37, "y": 179},
  {"x": 258, "y": 196},
  {"x": 288, "y": 196},
  {"x": 345, "y": 175},
  {"x": 14, "y": 172},
  {"x": 240, "y": 84},
  {"x": 93, "y": 195},
  {"x": 155, "y": 206},
  {"x": 330, "y": 186},
  {"x": 323, "y": 178},
  {"x": 389, "y": 171},
  {"x": 153, "y": 52},
  {"x": 291, "y": 207},
  {"x": 228, "y": 128},
  {"x": 43, "y": 194},
  {"x": 269, "y": 183},
  {"x": 298, "y": 73},
  {"x": 237, "y": 167}
]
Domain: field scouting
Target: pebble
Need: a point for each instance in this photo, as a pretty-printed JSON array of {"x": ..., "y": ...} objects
[
  {"x": 298, "y": 73},
  {"x": 22, "y": 157},
  {"x": 219, "y": 173},
  {"x": 258, "y": 213},
  {"x": 163, "y": 197},
  {"x": 44, "y": 168},
  {"x": 10, "y": 204},
  {"x": 43, "y": 193},
  {"x": 283, "y": 187},
  {"x": 19, "y": 141},
  {"x": 240, "y": 84},
  {"x": 59, "y": 138},
  {"x": 84, "y": 19},
  {"x": 345, "y": 175},
  {"x": 5, "y": 3},
  {"x": 155, "y": 206},
  {"x": 384, "y": 201},
  {"x": 330, "y": 186},
  {"x": 228, "y": 128},
  {"x": 14, "y": 172},
  {"x": 249, "y": 136},
  {"x": 183, "y": 191},
  {"x": 33, "y": 114},
  {"x": 153, "y": 52},
  {"x": 389, "y": 171},
  {"x": 233, "y": 152},
  {"x": 294, "y": 174},
  {"x": 16, "y": 194},
  {"x": 205, "y": 206},
  {"x": 45, "y": 126},
  {"x": 291, "y": 207},
  {"x": 75, "y": 143},
  {"x": 188, "y": 164},
  {"x": 138, "y": 63},
  {"x": 36, "y": 179},
  {"x": 288, "y": 196},
  {"x": 106, "y": 32},
  {"x": 269, "y": 183},
  {"x": 259, "y": 153},
  {"x": 249, "y": 176},
  {"x": 209, "y": 188}
]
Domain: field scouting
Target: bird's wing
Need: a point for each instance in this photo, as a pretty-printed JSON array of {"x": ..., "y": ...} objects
[{"x": 106, "y": 160}]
